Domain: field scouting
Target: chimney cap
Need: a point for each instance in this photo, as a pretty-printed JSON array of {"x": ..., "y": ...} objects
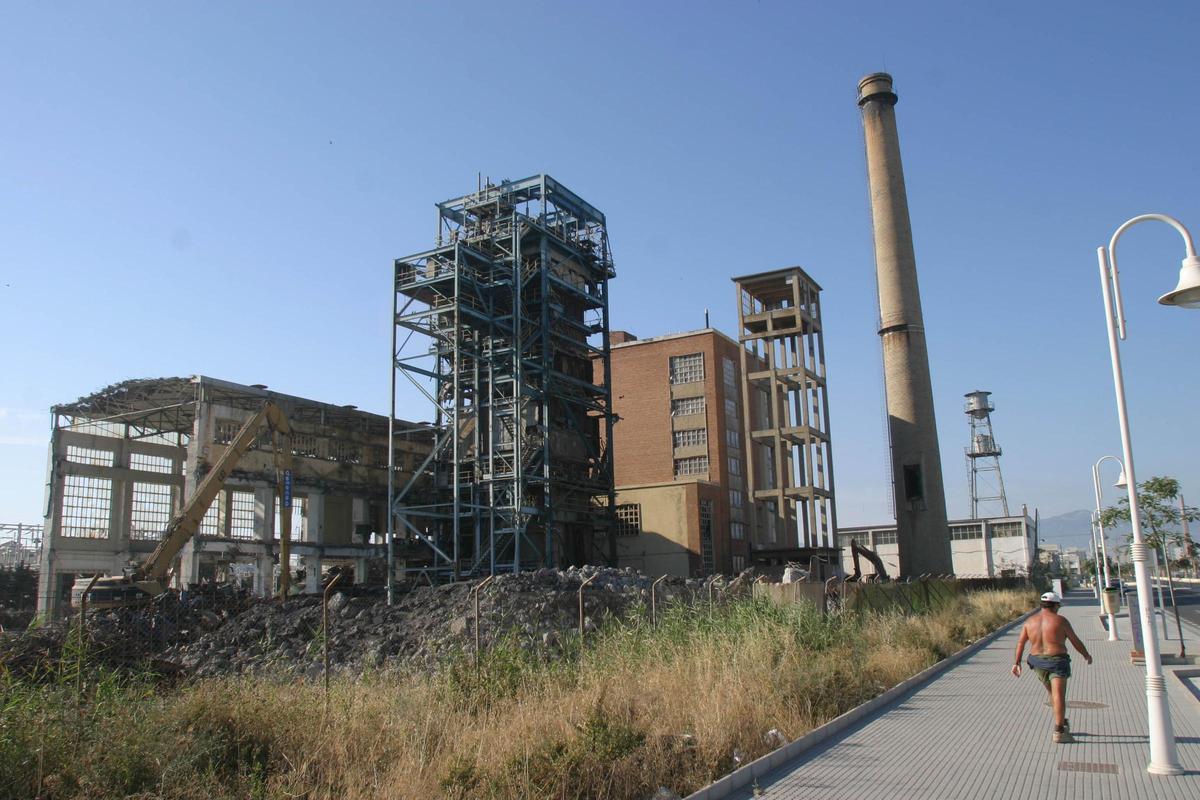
[{"x": 877, "y": 85}]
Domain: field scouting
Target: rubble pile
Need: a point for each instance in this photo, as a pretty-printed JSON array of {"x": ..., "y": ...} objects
[
  {"x": 427, "y": 623},
  {"x": 121, "y": 639},
  {"x": 18, "y": 596},
  {"x": 537, "y": 610}
]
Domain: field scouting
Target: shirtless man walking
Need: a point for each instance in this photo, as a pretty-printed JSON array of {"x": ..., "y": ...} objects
[{"x": 1047, "y": 634}]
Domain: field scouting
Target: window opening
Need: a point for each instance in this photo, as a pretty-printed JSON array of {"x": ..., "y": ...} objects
[
  {"x": 683, "y": 406},
  {"x": 688, "y": 368},
  {"x": 88, "y": 455},
  {"x": 629, "y": 519},
  {"x": 241, "y": 515},
  {"x": 150, "y": 510},
  {"x": 696, "y": 465},
  {"x": 86, "y": 507},
  {"x": 691, "y": 437},
  {"x": 706, "y": 537},
  {"x": 151, "y": 463}
]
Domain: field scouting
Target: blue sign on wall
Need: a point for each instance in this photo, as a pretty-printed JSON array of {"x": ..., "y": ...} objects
[{"x": 287, "y": 488}]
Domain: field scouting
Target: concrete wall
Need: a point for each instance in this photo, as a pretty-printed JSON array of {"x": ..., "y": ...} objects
[{"x": 665, "y": 545}]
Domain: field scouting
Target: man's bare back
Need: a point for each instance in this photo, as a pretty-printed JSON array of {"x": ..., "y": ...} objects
[{"x": 1048, "y": 632}]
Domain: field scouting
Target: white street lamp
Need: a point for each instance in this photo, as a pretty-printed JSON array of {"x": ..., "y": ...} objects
[
  {"x": 1164, "y": 760},
  {"x": 1112, "y": 621}
]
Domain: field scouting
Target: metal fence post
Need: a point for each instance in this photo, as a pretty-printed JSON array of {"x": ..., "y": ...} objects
[
  {"x": 325, "y": 633},
  {"x": 654, "y": 600},
  {"x": 475, "y": 603},
  {"x": 82, "y": 631},
  {"x": 581, "y": 587}
]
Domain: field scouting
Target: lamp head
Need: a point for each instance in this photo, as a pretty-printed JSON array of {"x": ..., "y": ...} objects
[
  {"x": 1121, "y": 482},
  {"x": 1187, "y": 293}
]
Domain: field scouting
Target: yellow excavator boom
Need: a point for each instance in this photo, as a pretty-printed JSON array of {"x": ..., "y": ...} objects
[{"x": 147, "y": 580}]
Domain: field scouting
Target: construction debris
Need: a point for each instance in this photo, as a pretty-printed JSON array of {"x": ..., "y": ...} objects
[{"x": 226, "y": 632}]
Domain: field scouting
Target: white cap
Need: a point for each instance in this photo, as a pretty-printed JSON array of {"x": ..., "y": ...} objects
[{"x": 1051, "y": 597}]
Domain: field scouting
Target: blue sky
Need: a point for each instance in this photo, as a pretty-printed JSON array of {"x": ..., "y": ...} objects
[{"x": 220, "y": 189}]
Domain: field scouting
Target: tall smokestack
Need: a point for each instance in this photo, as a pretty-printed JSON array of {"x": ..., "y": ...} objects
[{"x": 923, "y": 534}]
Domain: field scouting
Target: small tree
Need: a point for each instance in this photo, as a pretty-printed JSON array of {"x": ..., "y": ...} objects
[{"x": 1158, "y": 502}]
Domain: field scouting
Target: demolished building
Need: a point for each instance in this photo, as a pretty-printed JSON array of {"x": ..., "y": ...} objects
[{"x": 123, "y": 461}]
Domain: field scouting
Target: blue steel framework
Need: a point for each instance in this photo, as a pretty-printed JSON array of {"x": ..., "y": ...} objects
[{"x": 499, "y": 326}]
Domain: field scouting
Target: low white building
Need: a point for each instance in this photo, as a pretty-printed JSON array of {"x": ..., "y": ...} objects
[{"x": 981, "y": 548}]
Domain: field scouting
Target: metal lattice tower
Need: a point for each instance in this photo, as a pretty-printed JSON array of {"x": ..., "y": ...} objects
[
  {"x": 500, "y": 327},
  {"x": 790, "y": 463},
  {"x": 983, "y": 455}
]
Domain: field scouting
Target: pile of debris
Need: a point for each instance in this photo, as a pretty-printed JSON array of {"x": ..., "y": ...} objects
[
  {"x": 130, "y": 639},
  {"x": 18, "y": 596},
  {"x": 537, "y": 610}
]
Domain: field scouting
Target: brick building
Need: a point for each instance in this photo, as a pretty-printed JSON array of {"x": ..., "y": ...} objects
[{"x": 679, "y": 458}]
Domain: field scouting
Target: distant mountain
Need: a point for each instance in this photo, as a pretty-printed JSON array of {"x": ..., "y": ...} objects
[{"x": 1073, "y": 529}]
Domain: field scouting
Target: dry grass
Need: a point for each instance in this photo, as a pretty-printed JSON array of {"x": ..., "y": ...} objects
[{"x": 674, "y": 706}]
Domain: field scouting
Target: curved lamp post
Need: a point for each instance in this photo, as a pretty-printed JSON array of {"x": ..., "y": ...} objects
[
  {"x": 1120, "y": 484},
  {"x": 1164, "y": 760}
]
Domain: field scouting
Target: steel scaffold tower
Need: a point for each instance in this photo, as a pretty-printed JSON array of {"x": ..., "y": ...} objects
[{"x": 502, "y": 327}]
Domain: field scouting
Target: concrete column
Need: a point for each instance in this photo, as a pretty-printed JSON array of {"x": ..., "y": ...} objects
[
  {"x": 360, "y": 570},
  {"x": 989, "y": 558},
  {"x": 47, "y": 599},
  {"x": 198, "y": 449},
  {"x": 120, "y": 515},
  {"x": 314, "y": 520},
  {"x": 262, "y": 574},
  {"x": 264, "y": 533},
  {"x": 923, "y": 533},
  {"x": 314, "y": 531}
]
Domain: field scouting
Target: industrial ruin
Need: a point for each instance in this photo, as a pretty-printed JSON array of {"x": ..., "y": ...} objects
[
  {"x": 505, "y": 318},
  {"x": 547, "y": 441},
  {"x": 124, "y": 460}
]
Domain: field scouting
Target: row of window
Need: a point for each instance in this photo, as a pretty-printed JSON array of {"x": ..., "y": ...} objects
[
  {"x": 87, "y": 511},
  {"x": 999, "y": 530},
  {"x": 145, "y": 462},
  {"x": 303, "y": 446}
]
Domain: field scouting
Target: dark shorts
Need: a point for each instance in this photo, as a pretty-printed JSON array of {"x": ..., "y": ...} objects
[{"x": 1047, "y": 667}]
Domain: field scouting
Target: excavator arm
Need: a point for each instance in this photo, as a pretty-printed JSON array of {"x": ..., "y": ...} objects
[
  {"x": 857, "y": 550},
  {"x": 148, "y": 579}
]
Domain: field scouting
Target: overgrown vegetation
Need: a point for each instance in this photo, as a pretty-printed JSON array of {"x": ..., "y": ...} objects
[{"x": 639, "y": 707}]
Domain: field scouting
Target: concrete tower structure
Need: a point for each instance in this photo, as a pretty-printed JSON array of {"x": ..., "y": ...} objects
[{"x": 923, "y": 535}]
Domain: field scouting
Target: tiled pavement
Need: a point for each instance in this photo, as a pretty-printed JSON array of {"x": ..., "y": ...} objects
[{"x": 977, "y": 732}]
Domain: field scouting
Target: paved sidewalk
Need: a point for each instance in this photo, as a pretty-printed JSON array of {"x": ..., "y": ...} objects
[{"x": 977, "y": 732}]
